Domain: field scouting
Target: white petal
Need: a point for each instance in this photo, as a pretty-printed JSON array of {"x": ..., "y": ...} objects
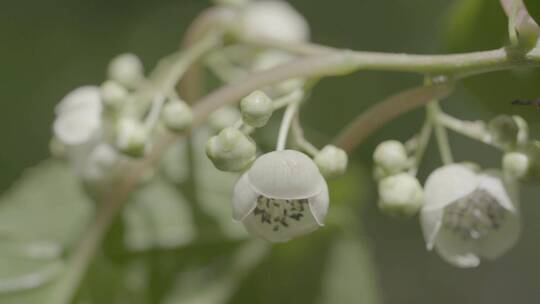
[
  {"x": 431, "y": 221},
  {"x": 76, "y": 127},
  {"x": 285, "y": 174},
  {"x": 244, "y": 199},
  {"x": 319, "y": 204},
  {"x": 447, "y": 184},
  {"x": 499, "y": 241},
  {"x": 83, "y": 98},
  {"x": 456, "y": 250},
  {"x": 492, "y": 183}
]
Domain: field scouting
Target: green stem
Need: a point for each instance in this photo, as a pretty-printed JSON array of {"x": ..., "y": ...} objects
[
  {"x": 440, "y": 133},
  {"x": 471, "y": 129},
  {"x": 286, "y": 121},
  {"x": 422, "y": 143},
  {"x": 300, "y": 140}
]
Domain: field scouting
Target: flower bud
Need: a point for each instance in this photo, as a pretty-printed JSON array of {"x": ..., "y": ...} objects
[
  {"x": 223, "y": 118},
  {"x": 400, "y": 195},
  {"x": 390, "y": 157},
  {"x": 332, "y": 161},
  {"x": 113, "y": 94},
  {"x": 231, "y": 150},
  {"x": 508, "y": 131},
  {"x": 127, "y": 70},
  {"x": 256, "y": 109},
  {"x": 516, "y": 164},
  {"x": 177, "y": 115},
  {"x": 131, "y": 137}
]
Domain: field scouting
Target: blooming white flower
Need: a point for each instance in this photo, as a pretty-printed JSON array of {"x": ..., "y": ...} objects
[
  {"x": 468, "y": 215},
  {"x": 78, "y": 116},
  {"x": 273, "y": 19},
  {"x": 282, "y": 196}
]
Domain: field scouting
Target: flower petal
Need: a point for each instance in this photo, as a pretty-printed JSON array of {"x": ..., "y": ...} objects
[
  {"x": 76, "y": 128},
  {"x": 319, "y": 204},
  {"x": 492, "y": 182},
  {"x": 499, "y": 241},
  {"x": 85, "y": 98},
  {"x": 431, "y": 221},
  {"x": 244, "y": 199},
  {"x": 285, "y": 174},
  {"x": 455, "y": 250},
  {"x": 447, "y": 184}
]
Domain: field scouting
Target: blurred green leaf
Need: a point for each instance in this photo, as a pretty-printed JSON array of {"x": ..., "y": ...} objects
[
  {"x": 474, "y": 25},
  {"x": 158, "y": 216},
  {"x": 533, "y": 7},
  {"x": 41, "y": 217}
]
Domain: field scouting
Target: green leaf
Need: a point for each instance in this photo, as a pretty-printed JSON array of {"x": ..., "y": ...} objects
[
  {"x": 474, "y": 25},
  {"x": 533, "y": 7},
  {"x": 41, "y": 218},
  {"x": 349, "y": 275},
  {"x": 158, "y": 216}
]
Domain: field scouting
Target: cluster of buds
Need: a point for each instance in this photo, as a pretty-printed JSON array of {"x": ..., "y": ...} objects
[
  {"x": 400, "y": 193},
  {"x": 104, "y": 130}
]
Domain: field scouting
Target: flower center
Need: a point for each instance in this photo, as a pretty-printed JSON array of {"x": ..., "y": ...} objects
[
  {"x": 474, "y": 216},
  {"x": 280, "y": 213}
]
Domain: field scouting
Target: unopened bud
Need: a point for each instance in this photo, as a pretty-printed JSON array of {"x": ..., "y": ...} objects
[
  {"x": 390, "y": 157},
  {"x": 127, "y": 70},
  {"x": 131, "y": 137},
  {"x": 516, "y": 164},
  {"x": 231, "y": 150},
  {"x": 114, "y": 95},
  {"x": 177, "y": 115},
  {"x": 332, "y": 161},
  {"x": 257, "y": 108},
  {"x": 400, "y": 195}
]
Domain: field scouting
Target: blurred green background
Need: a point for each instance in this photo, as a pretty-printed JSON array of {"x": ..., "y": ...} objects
[{"x": 49, "y": 47}]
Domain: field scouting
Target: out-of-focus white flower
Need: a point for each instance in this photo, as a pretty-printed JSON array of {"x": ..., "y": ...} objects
[
  {"x": 273, "y": 19},
  {"x": 177, "y": 115},
  {"x": 468, "y": 215},
  {"x": 131, "y": 137},
  {"x": 282, "y": 196},
  {"x": 78, "y": 116},
  {"x": 114, "y": 95}
]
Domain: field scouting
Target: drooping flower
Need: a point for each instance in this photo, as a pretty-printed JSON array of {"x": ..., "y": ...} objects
[
  {"x": 282, "y": 196},
  {"x": 78, "y": 116},
  {"x": 468, "y": 215}
]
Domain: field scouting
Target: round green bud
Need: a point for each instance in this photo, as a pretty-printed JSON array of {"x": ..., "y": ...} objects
[
  {"x": 516, "y": 165},
  {"x": 391, "y": 157},
  {"x": 332, "y": 161},
  {"x": 131, "y": 137},
  {"x": 231, "y": 150},
  {"x": 257, "y": 108},
  {"x": 400, "y": 195},
  {"x": 126, "y": 69},
  {"x": 177, "y": 115},
  {"x": 223, "y": 117},
  {"x": 114, "y": 95},
  {"x": 508, "y": 131}
]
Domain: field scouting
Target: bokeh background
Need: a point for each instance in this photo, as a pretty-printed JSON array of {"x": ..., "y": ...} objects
[{"x": 49, "y": 47}]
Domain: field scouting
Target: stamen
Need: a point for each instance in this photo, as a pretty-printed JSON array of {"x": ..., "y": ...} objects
[
  {"x": 279, "y": 213},
  {"x": 474, "y": 216}
]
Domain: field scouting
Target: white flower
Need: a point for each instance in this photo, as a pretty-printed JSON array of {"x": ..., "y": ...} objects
[
  {"x": 273, "y": 19},
  {"x": 281, "y": 197},
  {"x": 468, "y": 216},
  {"x": 78, "y": 116}
]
